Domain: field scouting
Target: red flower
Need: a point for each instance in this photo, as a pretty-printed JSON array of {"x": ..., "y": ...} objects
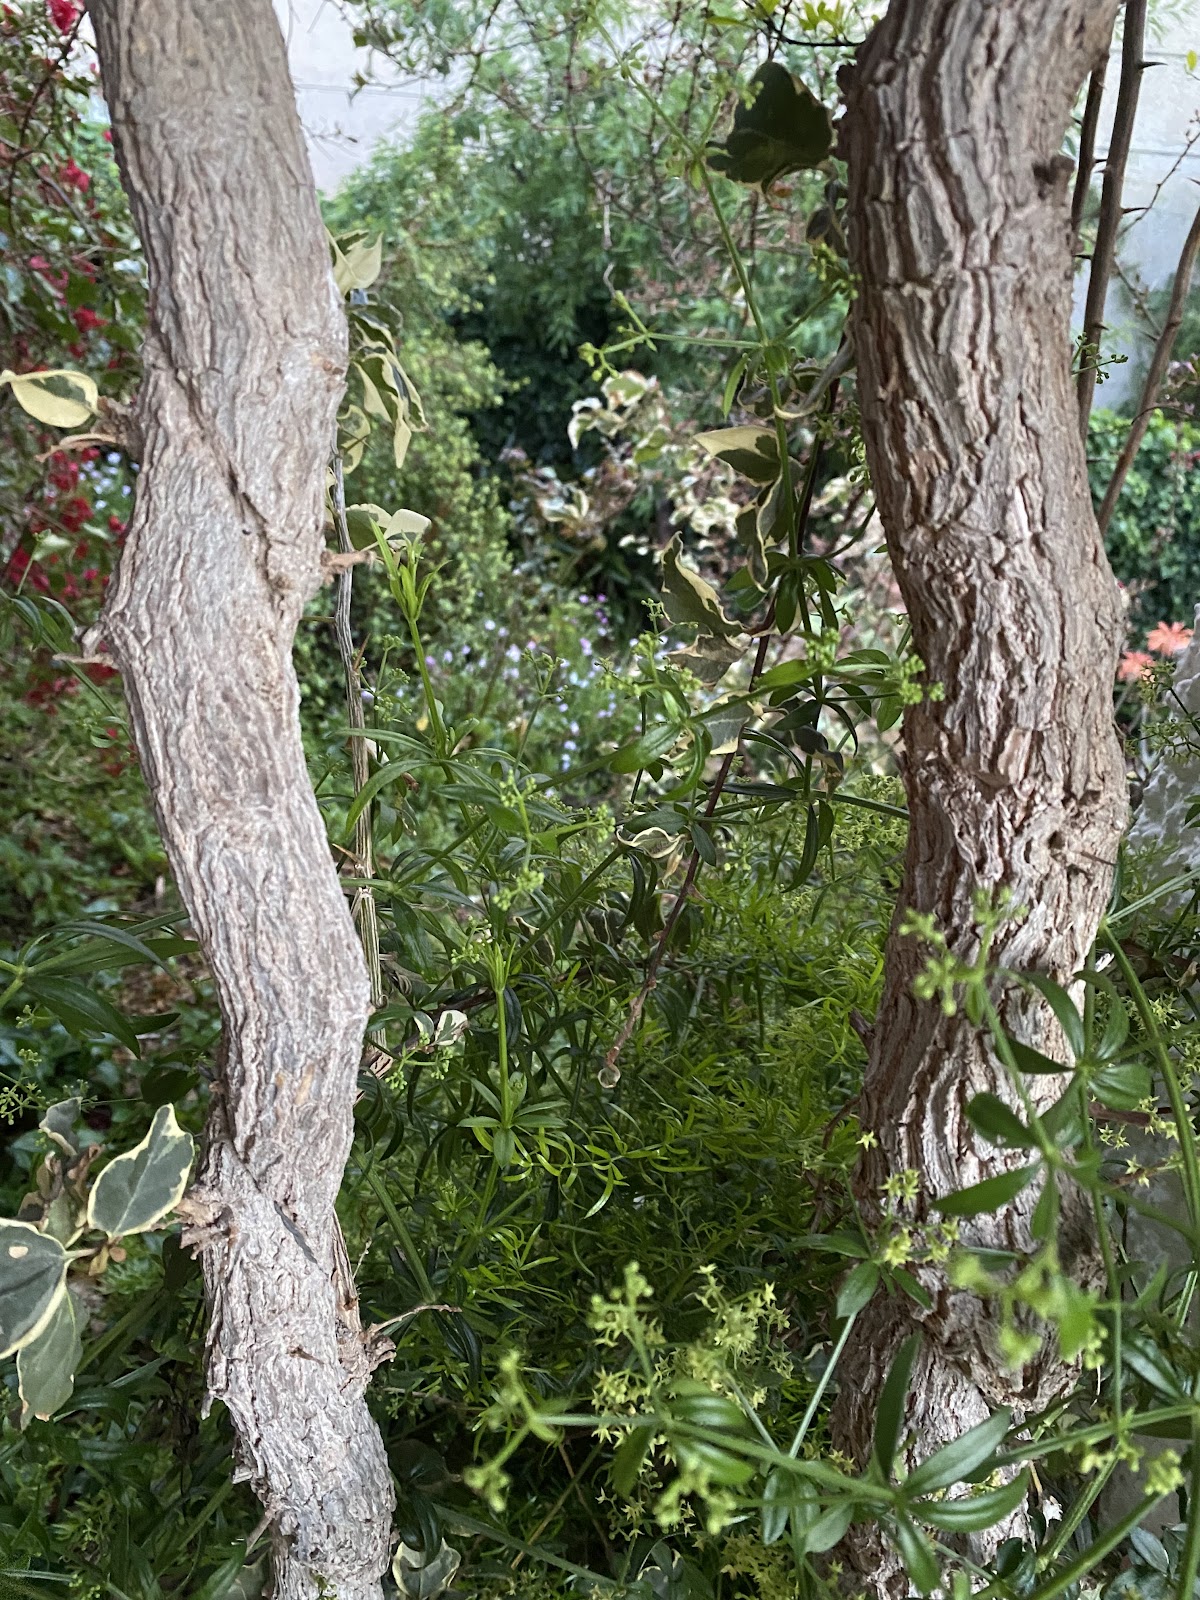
[
  {"x": 86, "y": 319},
  {"x": 75, "y": 177},
  {"x": 74, "y": 512},
  {"x": 1169, "y": 638},
  {"x": 115, "y": 524},
  {"x": 64, "y": 14},
  {"x": 1134, "y": 665}
]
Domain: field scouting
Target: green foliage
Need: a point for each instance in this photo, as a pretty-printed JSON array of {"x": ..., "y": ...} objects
[
  {"x": 1154, "y": 538},
  {"x": 633, "y": 886}
]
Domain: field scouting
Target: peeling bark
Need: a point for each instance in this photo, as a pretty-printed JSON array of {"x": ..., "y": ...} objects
[
  {"x": 244, "y": 366},
  {"x": 960, "y": 233}
]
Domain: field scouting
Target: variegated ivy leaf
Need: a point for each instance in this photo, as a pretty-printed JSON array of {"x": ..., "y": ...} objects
[
  {"x": 358, "y": 265},
  {"x": 141, "y": 1187},
  {"x": 709, "y": 658},
  {"x": 752, "y": 451},
  {"x": 422, "y": 1579},
  {"x": 33, "y": 1276},
  {"x": 59, "y": 1124},
  {"x": 687, "y": 597},
  {"x": 365, "y": 522},
  {"x": 57, "y": 396},
  {"x": 46, "y": 1365}
]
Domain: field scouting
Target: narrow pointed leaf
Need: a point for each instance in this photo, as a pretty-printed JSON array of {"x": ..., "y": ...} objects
[
  {"x": 961, "y": 1457},
  {"x": 889, "y": 1418}
]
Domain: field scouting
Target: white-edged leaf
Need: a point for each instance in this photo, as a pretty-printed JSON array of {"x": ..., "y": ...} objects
[
  {"x": 33, "y": 1275},
  {"x": 59, "y": 397},
  {"x": 46, "y": 1365},
  {"x": 687, "y": 597},
  {"x": 59, "y": 1123},
  {"x": 359, "y": 266},
  {"x": 425, "y": 1579},
  {"x": 141, "y": 1187}
]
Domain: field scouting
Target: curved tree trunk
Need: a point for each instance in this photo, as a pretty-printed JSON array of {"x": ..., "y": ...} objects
[
  {"x": 960, "y": 233},
  {"x": 244, "y": 366}
]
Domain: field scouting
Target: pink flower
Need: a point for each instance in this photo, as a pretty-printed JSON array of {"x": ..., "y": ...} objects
[
  {"x": 1169, "y": 638},
  {"x": 1134, "y": 665},
  {"x": 86, "y": 319}
]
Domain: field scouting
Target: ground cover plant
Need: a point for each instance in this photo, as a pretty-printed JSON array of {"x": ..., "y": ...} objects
[{"x": 637, "y": 1282}]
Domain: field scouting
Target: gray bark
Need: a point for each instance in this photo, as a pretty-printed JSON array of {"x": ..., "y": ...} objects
[
  {"x": 244, "y": 366},
  {"x": 960, "y": 233}
]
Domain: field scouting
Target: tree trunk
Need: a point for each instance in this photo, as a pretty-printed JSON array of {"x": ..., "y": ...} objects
[
  {"x": 244, "y": 366},
  {"x": 960, "y": 233}
]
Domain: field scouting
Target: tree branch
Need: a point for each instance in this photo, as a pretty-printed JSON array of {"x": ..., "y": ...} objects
[{"x": 1105, "y": 249}]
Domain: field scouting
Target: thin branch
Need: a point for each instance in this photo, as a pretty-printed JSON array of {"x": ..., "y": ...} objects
[
  {"x": 1104, "y": 252},
  {"x": 1159, "y": 363},
  {"x": 1087, "y": 143},
  {"x": 363, "y": 909}
]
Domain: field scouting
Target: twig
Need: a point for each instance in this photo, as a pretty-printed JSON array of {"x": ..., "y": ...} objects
[
  {"x": 363, "y": 909},
  {"x": 1159, "y": 363},
  {"x": 1087, "y": 143},
  {"x": 1105, "y": 249}
]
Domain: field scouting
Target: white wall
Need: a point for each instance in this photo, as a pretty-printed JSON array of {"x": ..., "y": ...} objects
[
  {"x": 341, "y": 125},
  {"x": 1168, "y": 115}
]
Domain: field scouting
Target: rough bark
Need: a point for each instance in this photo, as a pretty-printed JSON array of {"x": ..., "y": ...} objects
[
  {"x": 960, "y": 232},
  {"x": 244, "y": 365}
]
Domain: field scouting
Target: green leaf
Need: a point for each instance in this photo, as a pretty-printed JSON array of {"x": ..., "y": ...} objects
[
  {"x": 702, "y": 1407},
  {"x": 828, "y": 1530},
  {"x": 687, "y": 598},
  {"x": 751, "y": 451},
  {"x": 641, "y": 752},
  {"x": 961, "y": 1457},
  {"x": 1030, "y": 1060},
  {"x": 33, "y": 1276},
  {"x": 1063, "y": 1007},
  {"x": 81, "y": 1010},
  {"x": 971, "y": 1513},
  {"x": 916, "y": 1552},
  {"x": 989, "y": 1195},
  {"x": 784, "y": 129},
  {"x": 781, "y": 1493},
  {"x": 627, "y": 1460},
  {"x": 889, "y": 1417},
  {"x": 998, "y": 1122},
  {"x": 722, "y": 1466},
  {"x": 46, "y": 1365},
  {"x": 141, "y": 1187},
  {"x": 1123, "y": 1085},
  {"x": 859, "y": 1285}
]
